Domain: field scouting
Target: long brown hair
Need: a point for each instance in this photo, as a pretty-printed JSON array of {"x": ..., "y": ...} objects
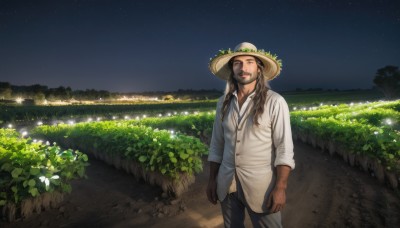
[{"x": 259, "y": 97}]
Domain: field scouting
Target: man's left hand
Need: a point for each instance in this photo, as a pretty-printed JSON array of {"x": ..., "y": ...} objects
[{"x": 277, "y": 200}]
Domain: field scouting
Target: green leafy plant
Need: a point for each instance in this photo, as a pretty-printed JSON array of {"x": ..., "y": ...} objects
[{"x": 29, "y": 168}]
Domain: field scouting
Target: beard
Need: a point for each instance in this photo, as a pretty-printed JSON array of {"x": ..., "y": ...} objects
[{"x": 244, "y": 81}]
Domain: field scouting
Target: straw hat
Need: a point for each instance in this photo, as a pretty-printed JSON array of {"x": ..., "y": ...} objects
[{"x": 219, "y": 64}]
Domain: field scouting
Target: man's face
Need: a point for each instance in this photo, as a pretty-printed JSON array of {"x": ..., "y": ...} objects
[{"x": 245, "y": 69}]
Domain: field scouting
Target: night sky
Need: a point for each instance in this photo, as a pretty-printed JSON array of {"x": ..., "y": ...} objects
[{"x": 135, "y": 46}]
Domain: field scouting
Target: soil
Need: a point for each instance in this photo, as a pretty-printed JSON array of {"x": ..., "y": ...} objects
[{"x": 323, "y": 191}]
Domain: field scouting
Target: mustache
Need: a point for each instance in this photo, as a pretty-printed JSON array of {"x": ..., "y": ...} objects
[{"x": 244, "y": 73}]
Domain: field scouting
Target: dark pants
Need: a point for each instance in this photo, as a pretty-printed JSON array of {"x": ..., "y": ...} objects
[{"x": 233, "y": 211}]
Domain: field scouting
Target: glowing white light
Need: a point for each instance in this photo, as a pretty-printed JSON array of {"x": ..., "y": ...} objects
[
  {"x": 294, "y": 108},
  {"x": 321, "y": 104},
  {"x": 159, "y": 115},
  {"x": 186, "y": 113},
  {"x": 90, "y": 119},
  {"x": 144, "y": 116},
  {"x": 168, "y": 114},
  {"x": 19, "y": 100},
  {"x": 304, "y": 109},
  {"x": 389, "y": 121},
  {"x": 375, "y": 132},
  {"x": 351, "y": 104},
  {"x": 98, "y": 118},
  {"x": 39, "y": 123},
  {"x": 47, "y": 180},
  {"x": 137, "y": 118},
  {"x": 24, "y": 133},
  {"x": 171, "y": 131},
  {"x": 114, "y": 117},
  {"x": 10, "y": 126},
  {"x": 175, "y": 113},
  {"x": 35, "y": 141},
  {"x": 71, "y": 122},
  {"x": 47, "y": 143},
  {"x": 126, "y": 117}
]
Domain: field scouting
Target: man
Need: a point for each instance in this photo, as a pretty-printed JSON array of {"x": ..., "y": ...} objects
[{"x": 251, "y": 150}]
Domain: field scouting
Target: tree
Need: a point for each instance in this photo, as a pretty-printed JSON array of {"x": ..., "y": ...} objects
[
  {"x": 5, "y": 90},
  {"x": 39, "y": 97},
  {"x": 387, "y": 79}
]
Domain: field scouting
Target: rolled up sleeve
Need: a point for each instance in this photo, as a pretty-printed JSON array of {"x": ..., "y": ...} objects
[
  {"x": 282, "y": 134},
  {"x": 217, "y": 140}
]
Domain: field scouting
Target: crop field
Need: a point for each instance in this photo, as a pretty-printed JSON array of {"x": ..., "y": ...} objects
[
  {"x": 165, "y": 144},
  {"x": 25, "y": 114},
  {"x": 365, "y": 135}
]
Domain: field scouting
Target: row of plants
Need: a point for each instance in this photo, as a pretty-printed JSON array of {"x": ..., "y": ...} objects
[
  {"x": 158, "y": 156},
  {"x": 12, "y": 113},
  {"x": 34, "y": 175},
  {"x": 365, "y": 135},
  {"x": 197, "y": 125}
]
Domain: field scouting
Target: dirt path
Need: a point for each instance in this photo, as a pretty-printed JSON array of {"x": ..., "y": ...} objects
[{"x": 323, "y": 192}]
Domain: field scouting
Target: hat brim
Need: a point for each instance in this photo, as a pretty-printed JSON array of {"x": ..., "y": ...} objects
[{"x": 219, "y": 66}]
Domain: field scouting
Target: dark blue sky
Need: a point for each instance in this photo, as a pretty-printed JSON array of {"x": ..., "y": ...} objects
[{"x": 130, "y": 46}]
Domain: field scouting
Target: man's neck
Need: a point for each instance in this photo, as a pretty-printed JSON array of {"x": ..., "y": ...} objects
[{"x": 246, "y": 90}]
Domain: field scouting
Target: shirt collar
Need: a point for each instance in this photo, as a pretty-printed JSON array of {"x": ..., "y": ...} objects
[{"x": 252, "y": 94}]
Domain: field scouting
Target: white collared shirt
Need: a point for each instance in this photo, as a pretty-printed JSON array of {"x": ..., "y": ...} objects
[{"x": 251, "y": 151}]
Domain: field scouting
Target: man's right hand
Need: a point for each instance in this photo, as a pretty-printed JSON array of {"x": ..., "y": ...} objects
[{"x": 212, "y": 192}]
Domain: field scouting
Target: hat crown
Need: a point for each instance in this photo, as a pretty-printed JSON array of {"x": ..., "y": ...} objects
[{"x": 245, "y": 45}]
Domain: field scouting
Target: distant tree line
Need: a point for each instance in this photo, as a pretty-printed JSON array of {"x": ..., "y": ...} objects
[{"x": 39, "y": 93}]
